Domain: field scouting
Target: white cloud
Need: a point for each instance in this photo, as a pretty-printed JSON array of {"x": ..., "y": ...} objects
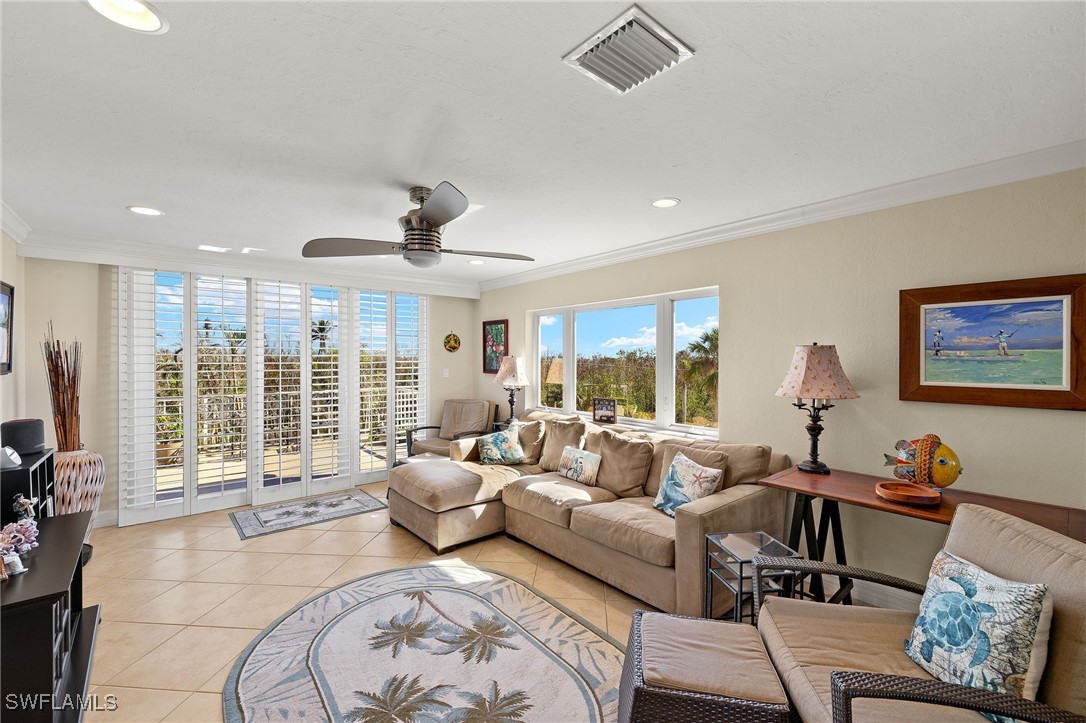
[
  {"x": 647, "y": 337},
  {"x": 944, "y": 320},
  {"x": 548, "y": 320},
  {"x": 1040, "y": 316}
]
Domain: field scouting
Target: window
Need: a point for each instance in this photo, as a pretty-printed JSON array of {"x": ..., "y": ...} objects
[
  {"x": 551, "y": 362},
  {"x": 656, "y": 357},
  {"x": 244, "y": 390},
  {"x": 616, "y": 358}
]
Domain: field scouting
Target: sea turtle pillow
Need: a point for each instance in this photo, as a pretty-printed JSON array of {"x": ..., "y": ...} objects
[
  {"x": 501, "y": 447},
  {"x": 686, "y": 481},
  {"x": 980, "y": 630},
  {"x": 579, "y": 465}
]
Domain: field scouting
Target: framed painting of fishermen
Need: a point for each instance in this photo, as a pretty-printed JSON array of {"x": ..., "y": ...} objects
[{"x": 1015, "y": 343}]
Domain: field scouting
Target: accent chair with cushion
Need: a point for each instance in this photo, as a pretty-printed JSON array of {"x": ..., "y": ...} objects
[
  {"x": 845, "y": 663},
  {"x": 459, "y": 418}
]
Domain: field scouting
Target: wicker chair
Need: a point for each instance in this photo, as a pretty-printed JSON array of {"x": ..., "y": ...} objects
[
  {"x": 459, "y": 418},
  {"x": 1002, "y": 544}
]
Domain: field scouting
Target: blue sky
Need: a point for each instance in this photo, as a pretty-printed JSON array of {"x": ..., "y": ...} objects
[
  {"x": 608, "y": 331},
  {"x": 1034, "y": 325}
]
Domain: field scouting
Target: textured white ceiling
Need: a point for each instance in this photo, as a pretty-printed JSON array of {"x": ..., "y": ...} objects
[{"x": 267, "y": 124}]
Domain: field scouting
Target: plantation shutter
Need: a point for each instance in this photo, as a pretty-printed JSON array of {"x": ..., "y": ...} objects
[
  {"x": 410, "y": 365},
  {"x": 277, "y": 381},
  {"x": 372, "y": 333},
  {"x": 329, "y": 455},
  {"x": 151, "y": 368}
]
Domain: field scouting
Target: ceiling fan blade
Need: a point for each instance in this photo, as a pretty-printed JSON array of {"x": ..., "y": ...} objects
[
  {"x": 489, "y": 255},
  {"x": 445, "y": 204},
  {"x": 325, "y": 247}
]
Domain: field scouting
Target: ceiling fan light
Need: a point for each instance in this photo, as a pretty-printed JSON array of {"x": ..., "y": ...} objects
[
  {"x": 132, "y": 14},
  {"x": 422, "y": 259}
]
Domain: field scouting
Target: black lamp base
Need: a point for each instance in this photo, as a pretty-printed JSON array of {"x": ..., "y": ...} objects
[{"x": 811, "y": 467}]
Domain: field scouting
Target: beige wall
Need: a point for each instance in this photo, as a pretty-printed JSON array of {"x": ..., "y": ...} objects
[
  {"x": 448, "y": 314},
  {"x": 837, "y": 283},
  {"x": 12, "y": 396}
]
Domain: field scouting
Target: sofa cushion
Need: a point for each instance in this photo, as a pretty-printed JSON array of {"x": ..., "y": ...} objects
[
  {"x": 711, "y": 458},
  {"x": 579, "y": 465},
  {"x": 624, "y": 464},
  {"x": 975, "y": 628},
  {"x": 501, "y": 447},
  {"x": 808, "y": 640},
  {"x": 439, "y": 485},
  {"x": 686, "y": 481},
  {"x": 632, "y": 526},
  {"x": 559, "y": 436},
  {"x": 531, "y": 439},
  {"x": 688, "y": 654},
  {"x": 552, "y": 498}
]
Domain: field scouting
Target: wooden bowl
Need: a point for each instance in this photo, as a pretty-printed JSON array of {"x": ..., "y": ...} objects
[{"x": 908, "y": 493}]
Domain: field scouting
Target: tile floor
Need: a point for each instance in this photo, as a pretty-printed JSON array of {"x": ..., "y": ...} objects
[{"x": 182, "y": 598}]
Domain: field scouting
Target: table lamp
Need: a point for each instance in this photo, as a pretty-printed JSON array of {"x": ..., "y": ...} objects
[
  {"x": 511, "y": 376},
  {"x": 815, "y": 374}
]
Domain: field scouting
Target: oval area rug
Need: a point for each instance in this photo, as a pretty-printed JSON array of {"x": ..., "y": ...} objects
[{"x": 427, "y": 643}]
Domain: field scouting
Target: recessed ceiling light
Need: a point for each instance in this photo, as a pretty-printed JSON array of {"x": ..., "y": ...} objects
[
  {"x": 132, "y": 14},
  {"x": 216, "y": 249},
  {"x": 145, "y": 211},
  {"x": 666, "y": 202},
  {"x": 476, "y": 262}
]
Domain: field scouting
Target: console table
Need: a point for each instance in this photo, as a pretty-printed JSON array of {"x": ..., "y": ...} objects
[
  {"x": 48, "y": 636},
  {"x": 858, "y": 489}
]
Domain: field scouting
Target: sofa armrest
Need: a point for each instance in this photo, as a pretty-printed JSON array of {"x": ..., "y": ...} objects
[
  {"x": 737, "y": 509},
  {"x": 848, "y": 685},
  {"x": 464, "y": 450}
]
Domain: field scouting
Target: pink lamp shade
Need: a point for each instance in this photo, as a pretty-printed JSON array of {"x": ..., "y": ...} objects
[
  {"x": 511, "y": 373},
  {"x": 816, "y": 373}
]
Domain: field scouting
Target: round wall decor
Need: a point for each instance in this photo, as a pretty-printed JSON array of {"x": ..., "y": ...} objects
[{"x": 452, "y": 342}]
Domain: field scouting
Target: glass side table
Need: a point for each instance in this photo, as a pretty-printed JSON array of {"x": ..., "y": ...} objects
[{"x": 728, "y": 558}]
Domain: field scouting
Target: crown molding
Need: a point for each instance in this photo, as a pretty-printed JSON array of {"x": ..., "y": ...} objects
[
  {"x": 1047, "y": 161},
  {"x": 13, "y": 225},
  {"x": 59, "y": 247}
]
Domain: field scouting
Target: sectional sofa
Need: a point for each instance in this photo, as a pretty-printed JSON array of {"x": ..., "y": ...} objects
[{"x": 609, "y": 530}]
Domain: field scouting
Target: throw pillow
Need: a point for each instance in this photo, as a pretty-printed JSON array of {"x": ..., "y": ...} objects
[
  {"x": 501, "y": 448},
  {"x": 686, "y": 481},
  {"x": 579, "y": 465},
  {"x": 980, "y": 630},
  {"x": 559, "y": 436},
  {"x": 712, "y": 458},
  {"x": 624, "y": 464},
  {"x": 531, "y": 440}
]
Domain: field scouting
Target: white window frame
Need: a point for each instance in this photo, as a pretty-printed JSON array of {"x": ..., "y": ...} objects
[{"x": 665, "y": 362}]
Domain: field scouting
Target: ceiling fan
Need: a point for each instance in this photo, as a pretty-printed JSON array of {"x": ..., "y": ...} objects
[{"x": 422, "y": 227}]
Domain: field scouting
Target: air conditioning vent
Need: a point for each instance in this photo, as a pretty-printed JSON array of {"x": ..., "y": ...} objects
[{"x": 628, "y": 51}]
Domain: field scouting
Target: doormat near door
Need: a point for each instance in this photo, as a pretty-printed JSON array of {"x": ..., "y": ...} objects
[
  {"x": 428, "y": 643},
  {"x": 299, "y": 513}
]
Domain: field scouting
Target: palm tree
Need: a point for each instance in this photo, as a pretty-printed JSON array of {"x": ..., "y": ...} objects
[
  {"x": 703, "y": 359},
  {"x": 399, "y": 701},
  {"x": 321, "y": 331},
  {"x": 481, "y": 641},
  {"x": 404, "y": 629},
  {"x": 492, "y": 707}
]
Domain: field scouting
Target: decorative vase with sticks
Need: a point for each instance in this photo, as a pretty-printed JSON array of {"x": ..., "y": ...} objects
[{"x": 80, "y": 474}]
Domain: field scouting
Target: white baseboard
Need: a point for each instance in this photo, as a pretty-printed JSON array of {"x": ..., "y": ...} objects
[
  {"x": 876, "y": 595},
  {"x": 106, "y": 518}
]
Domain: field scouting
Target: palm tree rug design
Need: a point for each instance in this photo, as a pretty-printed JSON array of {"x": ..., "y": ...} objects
[
  {"x": 441, "y": 642},
  {"x": 299, "y": 513}
]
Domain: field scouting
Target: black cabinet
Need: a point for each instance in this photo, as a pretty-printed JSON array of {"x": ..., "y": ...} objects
[
  {"x": 47, "y": 634},
  {"x": 35, "y": 477}
]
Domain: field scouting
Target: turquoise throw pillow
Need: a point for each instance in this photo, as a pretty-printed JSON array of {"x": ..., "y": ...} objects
[
  {"x": 980, "y": 630},
  {"x": 501, "y": 448},
  {"x": 686, "y": 481},
  {"x": 579, "y": 465}
]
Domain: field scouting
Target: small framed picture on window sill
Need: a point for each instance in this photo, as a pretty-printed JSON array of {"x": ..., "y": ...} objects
[{"x": 603, "y": 411}]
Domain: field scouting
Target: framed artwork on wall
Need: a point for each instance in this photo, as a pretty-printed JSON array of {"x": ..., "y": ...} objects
[
  {"x": 495, "y": 344},
  {"x": 7, "y": 321},
  {"x": 1018, "y": 343}
]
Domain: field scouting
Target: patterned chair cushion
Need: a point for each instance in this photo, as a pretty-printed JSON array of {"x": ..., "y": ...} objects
[
  {"x": 980, "y": 630},
  {"x": 501, "y": 447}
]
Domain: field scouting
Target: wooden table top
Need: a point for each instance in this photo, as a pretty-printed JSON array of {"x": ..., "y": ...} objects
[{"x": 859, "y": 489}]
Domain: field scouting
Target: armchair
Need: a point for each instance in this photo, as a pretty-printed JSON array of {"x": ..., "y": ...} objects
[
  {"x": 459, "y": 418},
  {"x": 831, "y": 657}
]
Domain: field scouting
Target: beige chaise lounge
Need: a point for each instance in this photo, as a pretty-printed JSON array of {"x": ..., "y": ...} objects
[{"x": 619, "y": 538}]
